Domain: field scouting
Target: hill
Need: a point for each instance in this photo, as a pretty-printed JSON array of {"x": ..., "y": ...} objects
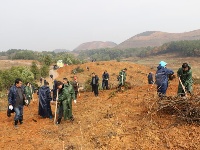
[
  {"x": 95, "y": 45},
  {"x": 157, "y": 38},
  {"x": 113, "y": 120}
]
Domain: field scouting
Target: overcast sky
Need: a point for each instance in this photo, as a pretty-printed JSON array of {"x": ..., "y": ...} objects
[{"x": 64, "y": 24}]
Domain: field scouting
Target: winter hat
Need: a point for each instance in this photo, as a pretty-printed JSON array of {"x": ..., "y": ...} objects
[{"x": 163, "y": 64}]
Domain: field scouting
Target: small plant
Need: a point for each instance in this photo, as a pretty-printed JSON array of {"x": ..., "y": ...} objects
[
  {"x": 87, "y": 86},
  {"x": 118, "y": 59},
  {"x": 77, "y": 70}
]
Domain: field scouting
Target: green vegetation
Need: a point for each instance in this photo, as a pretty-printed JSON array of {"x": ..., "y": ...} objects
[
  {"x": 7, "y": 77},
  {"x": 44, "y": 57},
  {"x": 181, "y": 48}
]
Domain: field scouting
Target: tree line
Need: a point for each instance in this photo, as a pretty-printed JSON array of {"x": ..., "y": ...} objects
[{"x": 181, "y": 48}]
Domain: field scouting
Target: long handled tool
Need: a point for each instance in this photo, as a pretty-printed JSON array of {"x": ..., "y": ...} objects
[
  {"x": 182, "y": 86},
  {"x": 56, "y": 108}
]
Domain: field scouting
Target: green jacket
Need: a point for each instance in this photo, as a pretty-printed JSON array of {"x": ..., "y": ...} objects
[
  {"x": 64, "y": 95},
  {"x": 27, "y": 92},
  {"x": 185, "y": 76},
  {"x": 122, "y": 73},
  {"x": 71, "y": 90}
]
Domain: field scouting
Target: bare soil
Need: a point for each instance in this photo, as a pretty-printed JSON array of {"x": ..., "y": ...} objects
[{"x": 113, "y": 120}]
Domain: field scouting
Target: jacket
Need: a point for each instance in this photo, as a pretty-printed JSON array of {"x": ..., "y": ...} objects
[
  {"x": 13, "y": 95},
  {"x": 185, "y": 76},
  {"x": 162, "y": 75},
  {"x": 96, "y": 80}
]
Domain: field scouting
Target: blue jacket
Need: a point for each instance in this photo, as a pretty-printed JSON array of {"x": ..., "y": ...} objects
[
  {"x": 162, "y": 75},
  {"x": 13, "y": 94},
  {"x": 44, "y": 96}
]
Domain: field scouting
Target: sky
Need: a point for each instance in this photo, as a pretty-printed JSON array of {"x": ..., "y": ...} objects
[{"x": 45, "y": 25}]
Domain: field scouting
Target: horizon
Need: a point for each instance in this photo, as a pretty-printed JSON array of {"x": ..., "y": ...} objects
[{"x": 48, "y": 25}]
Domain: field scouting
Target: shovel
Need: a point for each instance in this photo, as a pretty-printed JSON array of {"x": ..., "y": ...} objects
[{"x": 182, "y": 87}]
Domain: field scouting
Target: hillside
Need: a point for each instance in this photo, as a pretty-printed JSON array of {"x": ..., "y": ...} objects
[
  {"x": 95, "y": 45},
  {"x": 113, "y": 120},
  {"x": 157, "y": 38}
]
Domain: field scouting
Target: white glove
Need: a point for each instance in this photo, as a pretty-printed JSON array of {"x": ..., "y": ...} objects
[
  {"x": 10, "y": 107},
  {"x": 26, "y": 101},
  {"x": 75, "y": 101},
  {"x": 29, "y": 96}
]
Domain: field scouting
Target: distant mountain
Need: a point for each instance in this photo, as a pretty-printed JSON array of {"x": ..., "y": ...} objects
[
  {"x": 60, "y": 50},
  {"x": 95, "y": 45},
  {"x": 157, "y": 38}
]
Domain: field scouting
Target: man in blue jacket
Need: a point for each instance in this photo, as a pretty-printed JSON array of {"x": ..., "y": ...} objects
[
  {"x": 16, "y": 100},
  {"x": 162, "y": 74},
  {"x": 105, "y": 78}
]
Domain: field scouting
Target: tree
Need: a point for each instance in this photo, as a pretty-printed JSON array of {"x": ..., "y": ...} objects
[
  {"x": 35, "y": 70},
  {"x": 44, "y": 70},
  {"x": 47, "y": 60}
]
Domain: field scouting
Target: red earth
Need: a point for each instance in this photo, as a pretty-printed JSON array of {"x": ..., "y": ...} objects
[{"x": 113, "y": 120}]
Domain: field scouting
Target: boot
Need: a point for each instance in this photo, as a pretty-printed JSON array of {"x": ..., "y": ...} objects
[
  {"x": 20, "y": 121},
  {"x": 58, "y": 121},
  {"x": 16, "y": 122}
]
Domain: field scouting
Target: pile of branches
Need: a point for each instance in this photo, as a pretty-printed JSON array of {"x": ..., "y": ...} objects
[{"x": 184, "y": 108}]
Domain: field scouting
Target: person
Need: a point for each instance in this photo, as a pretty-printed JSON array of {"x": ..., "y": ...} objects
[
  {"x": 87, "y": 68},
  {"x": 105, "y": 78},
  {"x": 70, "y": 88},
  {"x": 161, "y": 77},
  {"x": 75, "y": 86},
  {"x": 51, "y": 76},
  {"x": 185, "y": 75},
  {"x": 150, "y": 78},
  {"x": 55, "y": 87},
  {"x": 17, "y": 100},
  {"x": 95, "y": 83},
  {"x": 28, "y": 92},
  {"x": 122, "y": 78},
  {"x": 44, "y": 101},
  {"x": 45, "y": 81},
  {"x": 41, "y": 80},
  {"x": 64, "y": 98}
]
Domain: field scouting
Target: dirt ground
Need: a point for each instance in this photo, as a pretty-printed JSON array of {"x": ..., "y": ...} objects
[{"x": 112, "y": 121}]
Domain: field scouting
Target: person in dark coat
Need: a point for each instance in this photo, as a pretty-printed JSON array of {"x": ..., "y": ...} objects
[
  {"x": 162, "y": 74},
  {"x": 150, "y": 78},
  {"x": 55, "y": 87},
  {"x": 44, "y": 101},
  {"x": 95, "y": 83},
  {"x": 105, "y": 78},
  {"x": 17, "y": 100},
  {"x": 75, "y": 85}
]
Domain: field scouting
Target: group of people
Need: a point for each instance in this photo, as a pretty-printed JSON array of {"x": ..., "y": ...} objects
[
  {"x": 163, "y": 74},
  {"x": 63, "y": 93},
  {"x": 105, "y": 77}
]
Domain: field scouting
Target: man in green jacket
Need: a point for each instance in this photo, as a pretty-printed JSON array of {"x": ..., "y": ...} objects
[
  {"x": 185, "y": 76},
  {"x": 122, "y": 78},
  {"x": 64, "y": 98},
  {"x": 70, "y": 88}
]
